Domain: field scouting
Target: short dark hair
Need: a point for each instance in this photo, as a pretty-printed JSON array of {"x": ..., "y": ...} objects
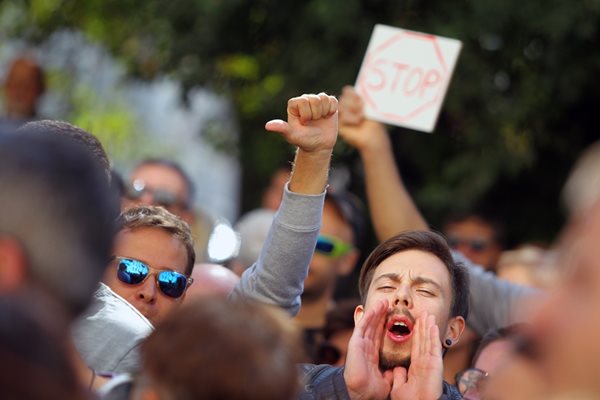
[
  {"x": 225, "y": 350},
  {"x": 56, "y": 202},
  {"x": 81, "y": 136},
  {"x": 191, "y": 188},
  {"x": 429, "y": 242},
  {"x": 158, "y": 217}
]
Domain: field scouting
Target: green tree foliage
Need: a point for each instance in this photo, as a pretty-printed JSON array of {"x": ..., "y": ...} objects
[{"x": 519, "y": 110}]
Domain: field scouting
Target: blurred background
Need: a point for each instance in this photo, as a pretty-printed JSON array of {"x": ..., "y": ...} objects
[{"x": 195, "y": 80}]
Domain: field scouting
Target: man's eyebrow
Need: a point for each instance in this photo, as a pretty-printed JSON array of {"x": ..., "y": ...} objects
[
  {"x": 421, "y": 280},
  {"x": 390, "y": 276}
]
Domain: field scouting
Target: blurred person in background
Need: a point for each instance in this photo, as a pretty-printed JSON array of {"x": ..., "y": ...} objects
[
  {"x": 221, "y": 354},
  {"x": 57, "y": 218},
  {"x": 523, "y": 266},
  {"x": 72, "y": 133},
  {"x": 23, "y": 85},
  {"x": 163, "y": 182},
  {"x": 35, "y": 354},
  {"x": 212, "y": 280},
  {"x": 252, "y": 228},
  {"x": 477, "y": 236},
  {"x": 560, "y": 357},
  {"x": 339, "y": 324},
  {"x": 493, "y": 351}
]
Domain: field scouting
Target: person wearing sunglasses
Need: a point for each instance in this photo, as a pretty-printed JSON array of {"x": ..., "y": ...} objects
[
  {"x": 164, "y": 182},
  {"x": 161, "y": 182},
  {"x": 477, "y": 237},
  {"x": 153, "y": 260}
]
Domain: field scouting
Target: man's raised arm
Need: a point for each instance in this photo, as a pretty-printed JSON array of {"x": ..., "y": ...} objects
[{"x": 278, "y": 275}]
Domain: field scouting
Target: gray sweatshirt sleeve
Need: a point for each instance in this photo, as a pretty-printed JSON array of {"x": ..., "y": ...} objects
[
  {"x": 494, "y": 303},
  {"x": 278, "y": 275}
]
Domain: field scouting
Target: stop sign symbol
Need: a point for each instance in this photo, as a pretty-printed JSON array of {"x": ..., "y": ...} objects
[{"x": 404, "y": 76}]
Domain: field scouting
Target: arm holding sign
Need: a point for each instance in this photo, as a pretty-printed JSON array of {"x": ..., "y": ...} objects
[{"x": 390, "y": 205}]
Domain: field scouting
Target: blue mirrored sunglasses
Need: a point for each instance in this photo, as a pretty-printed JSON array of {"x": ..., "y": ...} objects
[
  {"x": 134, "y": 272},
  {"x": 332, "y": 247}
]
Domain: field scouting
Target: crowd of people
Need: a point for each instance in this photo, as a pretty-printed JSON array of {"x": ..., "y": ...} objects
[{"x": 105, "y": 292}]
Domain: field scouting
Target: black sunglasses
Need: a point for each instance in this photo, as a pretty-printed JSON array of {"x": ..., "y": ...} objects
[
  {"x": 476, "y": 245},
  {"x": 170, "y": 283},
  {"x": 160, "y": 197}
]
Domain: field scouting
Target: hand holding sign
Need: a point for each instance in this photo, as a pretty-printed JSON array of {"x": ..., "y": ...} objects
[
  {"x": 362, "y": 133},
  {"x": 405, "y": 75}
]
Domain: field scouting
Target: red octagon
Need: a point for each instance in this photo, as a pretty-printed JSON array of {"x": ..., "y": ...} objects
[{"x": 404, "y": 76}]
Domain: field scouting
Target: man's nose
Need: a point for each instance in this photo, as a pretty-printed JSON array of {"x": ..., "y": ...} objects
[
  {"x": 147, "y": 291},
  {"x": 403, "y": 297}
]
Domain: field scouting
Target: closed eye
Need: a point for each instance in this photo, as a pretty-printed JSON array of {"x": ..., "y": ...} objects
[
  {"x": 426, "y": 292},
  {"x": 387, "y": 288}
]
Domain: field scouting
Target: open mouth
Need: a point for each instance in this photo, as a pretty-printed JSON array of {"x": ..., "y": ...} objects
[{"x": 399, "y": 328}]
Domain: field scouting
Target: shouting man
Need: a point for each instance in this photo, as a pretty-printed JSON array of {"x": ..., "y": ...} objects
[{"x": 414, "y": 304}]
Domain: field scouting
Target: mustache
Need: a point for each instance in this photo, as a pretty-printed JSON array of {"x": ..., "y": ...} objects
[{"x": 394, "y": 311}]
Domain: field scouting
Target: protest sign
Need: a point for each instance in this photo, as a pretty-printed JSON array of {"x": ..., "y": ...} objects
[{"x": 404, "y": 76}]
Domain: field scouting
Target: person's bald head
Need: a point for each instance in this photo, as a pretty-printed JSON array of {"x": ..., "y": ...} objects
[{"x": 211, "y": 280}]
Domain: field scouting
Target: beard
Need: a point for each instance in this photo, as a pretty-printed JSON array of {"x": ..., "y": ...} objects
[
  {"x": 390, "y": 358},
  {"x": 389, "y": 362}
]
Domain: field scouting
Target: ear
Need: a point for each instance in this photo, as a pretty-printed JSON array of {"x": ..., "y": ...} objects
[
  {"x": 456, "y": 326},
  {"x": 347, "y": 263},
  {"x": 13, "y": 264},
  {"x": 359, "y": 312}
]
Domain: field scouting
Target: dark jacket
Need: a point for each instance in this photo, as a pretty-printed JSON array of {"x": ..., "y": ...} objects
[{"x": 327, "y": 382}]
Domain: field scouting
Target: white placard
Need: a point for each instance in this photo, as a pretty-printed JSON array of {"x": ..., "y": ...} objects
[{"x": 404, "y": 76}]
